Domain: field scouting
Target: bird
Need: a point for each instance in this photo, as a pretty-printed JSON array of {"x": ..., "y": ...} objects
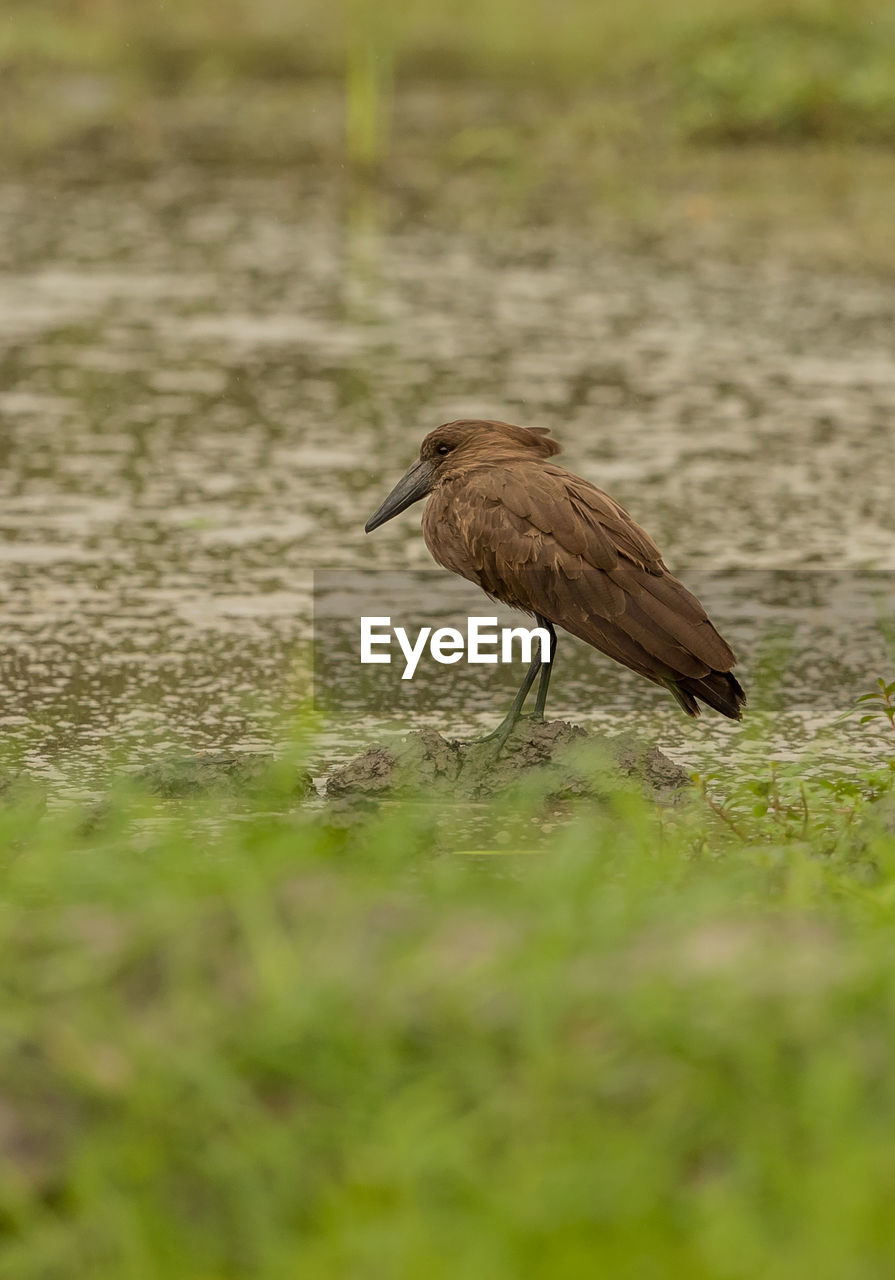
[{"x": 533, "y": 535}]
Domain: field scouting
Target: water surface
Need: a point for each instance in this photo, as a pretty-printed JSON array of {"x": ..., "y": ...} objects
[{"x": 207, "y": 385}]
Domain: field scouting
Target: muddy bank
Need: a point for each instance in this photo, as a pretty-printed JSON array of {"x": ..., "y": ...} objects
[
  {"x": 231, "y": 772},
  {"x": 560, "y": 759}
]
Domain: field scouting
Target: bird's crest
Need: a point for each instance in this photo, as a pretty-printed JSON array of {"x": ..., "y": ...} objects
[{"x": 490, "y": 432}]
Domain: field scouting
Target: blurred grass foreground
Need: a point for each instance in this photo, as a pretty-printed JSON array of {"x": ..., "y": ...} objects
[{"x": 245, "y": 1036}]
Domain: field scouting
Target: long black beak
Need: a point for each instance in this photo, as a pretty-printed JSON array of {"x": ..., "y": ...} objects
[{"x": 409, "y": 489}]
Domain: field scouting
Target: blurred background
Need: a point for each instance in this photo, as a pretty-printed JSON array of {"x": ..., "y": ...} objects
[
  {"x": 251, "y": 252},
  {"x": 691, "y": 111}
]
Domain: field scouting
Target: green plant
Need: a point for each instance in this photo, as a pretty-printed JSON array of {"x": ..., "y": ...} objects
[
  {"x": 369, "y": 78},
  {"x": 878, "y": 706}
]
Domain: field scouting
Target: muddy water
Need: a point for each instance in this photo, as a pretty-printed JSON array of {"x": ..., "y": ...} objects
[{"x": 205, "y": 387}]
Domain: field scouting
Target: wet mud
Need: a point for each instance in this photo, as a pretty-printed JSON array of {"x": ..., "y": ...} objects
[
  {"x": 562, "y": 759},
  {"x": 220, "y": 771}
]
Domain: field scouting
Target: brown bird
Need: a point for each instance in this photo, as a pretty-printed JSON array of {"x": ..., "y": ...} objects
[{"x": 545, "y": 541}]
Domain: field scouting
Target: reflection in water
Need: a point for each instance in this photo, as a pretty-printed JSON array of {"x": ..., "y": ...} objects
[{"x": 204, "y": 390}]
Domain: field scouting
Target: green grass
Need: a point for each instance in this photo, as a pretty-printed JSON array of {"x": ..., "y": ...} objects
[
  {"x": 247, "y": 1038},
  {"x": 750, "y": 70}
]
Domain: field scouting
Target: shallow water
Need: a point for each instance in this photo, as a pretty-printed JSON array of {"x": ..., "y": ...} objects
[{"x": 206, "y": 386}]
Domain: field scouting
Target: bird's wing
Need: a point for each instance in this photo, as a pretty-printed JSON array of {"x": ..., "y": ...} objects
[{"x": 543, "y": 540}]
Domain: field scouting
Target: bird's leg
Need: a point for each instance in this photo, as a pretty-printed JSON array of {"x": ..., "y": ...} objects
[
  {"x": 505, "y": 728},
  {"x": 546, "y": 670}
]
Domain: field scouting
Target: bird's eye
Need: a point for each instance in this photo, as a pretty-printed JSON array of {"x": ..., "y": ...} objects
[{"x": 443, "y": 449}]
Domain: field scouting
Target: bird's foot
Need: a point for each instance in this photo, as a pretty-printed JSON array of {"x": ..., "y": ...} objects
[
  {"x": 490, "y": 737},
  {"x": 500, "y": 735}
]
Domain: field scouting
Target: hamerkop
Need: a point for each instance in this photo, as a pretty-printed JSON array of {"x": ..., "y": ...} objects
[{"x": 542, "y": 540}]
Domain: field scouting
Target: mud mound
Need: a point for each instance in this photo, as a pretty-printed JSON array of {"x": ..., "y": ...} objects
[
  {"x": 227, "y": 771},
  {"x": 560, "y": 758}
]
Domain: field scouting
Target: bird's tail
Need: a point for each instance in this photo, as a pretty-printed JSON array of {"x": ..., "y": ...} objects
[{"x": 719, "y": 689}]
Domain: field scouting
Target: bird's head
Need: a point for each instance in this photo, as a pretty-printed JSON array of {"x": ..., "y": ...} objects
[{"x": 455, "y": 446}]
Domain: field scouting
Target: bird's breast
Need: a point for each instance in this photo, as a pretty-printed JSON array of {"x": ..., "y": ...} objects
[
  {"x": 464, "y": 533},
  {"x": 447, "y": 534}
]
